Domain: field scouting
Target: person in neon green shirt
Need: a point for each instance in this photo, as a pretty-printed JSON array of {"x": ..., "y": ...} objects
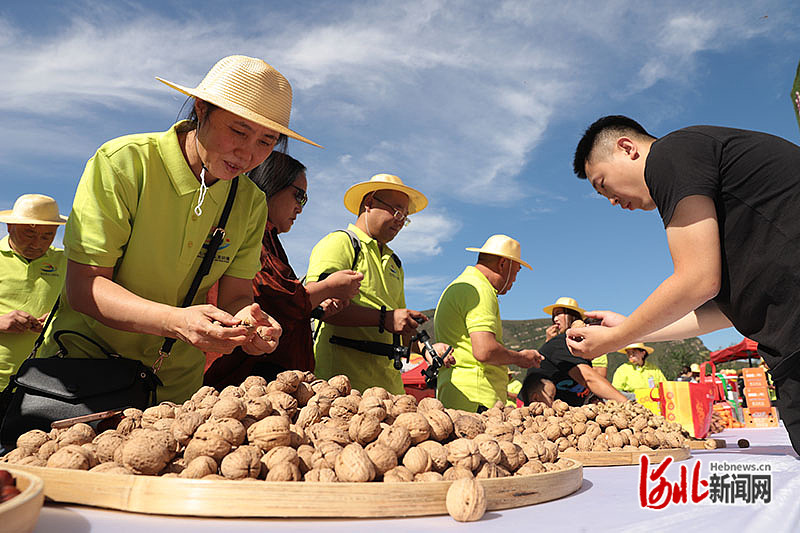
[
  {"x": 468, "y": 319},
  {"x": 637, "y": 373},
  {"x": 144, "y": 208},
  {"x": 378, "y": 311},
  {"x": 32, "y": 273}
]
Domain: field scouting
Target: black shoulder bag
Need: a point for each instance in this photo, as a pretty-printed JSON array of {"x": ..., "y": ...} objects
[{"x": 54, "y": 388}]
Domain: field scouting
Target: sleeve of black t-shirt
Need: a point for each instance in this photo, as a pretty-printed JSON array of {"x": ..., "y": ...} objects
[
  {"x": 557, "y": 354},
  {"x": 683, "y": 163}
]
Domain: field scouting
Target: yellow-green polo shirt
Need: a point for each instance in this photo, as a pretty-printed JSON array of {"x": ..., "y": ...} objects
[
  {"x": 382, "y": 285},
  {"x": 134, "y": 211},
  {"x": 600, "y": 362},
  {"x": 629, "y": 377},
  {"x": 30, "y": 286},
  {"x": 467, "y": 305}
]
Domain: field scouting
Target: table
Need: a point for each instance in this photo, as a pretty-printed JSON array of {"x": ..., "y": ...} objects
[{"x": 607, "y": 501}]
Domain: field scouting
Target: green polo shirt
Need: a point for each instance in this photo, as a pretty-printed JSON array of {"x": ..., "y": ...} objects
[
  {"x": 382, "y": 285},
  {"x": 629, "y": 377},
  {"x": 30, "y": 286},
  {"x": 467, "y": 305},
  {"x": 134, "y": 211}
]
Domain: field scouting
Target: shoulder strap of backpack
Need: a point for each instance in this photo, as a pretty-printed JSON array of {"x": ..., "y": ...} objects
[{"x": 356, "y": 242}]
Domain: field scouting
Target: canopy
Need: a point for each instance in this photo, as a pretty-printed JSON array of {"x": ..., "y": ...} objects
[{"x": 747, "y": 349}]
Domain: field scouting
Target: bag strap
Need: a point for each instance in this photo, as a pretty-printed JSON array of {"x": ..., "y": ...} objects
[
  {"x": 47, "y": 322},
  {"x": 205, "y": 266}
]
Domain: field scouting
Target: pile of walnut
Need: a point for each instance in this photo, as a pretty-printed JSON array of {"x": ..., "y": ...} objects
[{"x": 300, "y": 428}]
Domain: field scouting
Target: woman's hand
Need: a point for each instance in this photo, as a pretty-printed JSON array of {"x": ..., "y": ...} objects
[
  {"x": 208, "y": 328},
  {"x": 592, "y": 341},
  {"x": 331, "y": 306},
  {"x": 266, "y": 331},
  {"x": 609, "y": 319},
  {"x": 441, "y": 348},
  {"x": 551, "y": 332},
  {"x": 18, "y": 321}
]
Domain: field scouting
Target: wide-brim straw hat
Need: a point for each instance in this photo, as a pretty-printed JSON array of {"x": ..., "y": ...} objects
[
  {"x": 250, "y": 88},
  {"x": 34, "y": 209},
  {"x": 567, "y": 303},
  {"x": 639, "y": 345},
  {"x": 501, "y": 245},
  {"x": 382, "y": 182}
]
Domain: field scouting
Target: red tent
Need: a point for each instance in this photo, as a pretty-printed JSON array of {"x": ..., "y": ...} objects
[{"x": 747, "y": 349}]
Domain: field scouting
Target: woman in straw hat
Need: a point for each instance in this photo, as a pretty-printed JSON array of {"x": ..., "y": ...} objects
[
  {"x": 276, "y": 287},
  {"x": 563, "y": 313},
  {"x": 638, "y": 372},
  {"x": 143, "y": 213},
  {"x": 32, "y": 273}
]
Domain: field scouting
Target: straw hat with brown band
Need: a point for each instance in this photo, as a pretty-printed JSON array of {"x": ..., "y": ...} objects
[
  {"x": 567, "y": 303},
  {"x": 381, "y": 182},
  {"x": 250, "y": 88},
  {"x": 501, "y": 245},
  {"x": 34, "y": 209},
  {"x": 639, "y": 345}
]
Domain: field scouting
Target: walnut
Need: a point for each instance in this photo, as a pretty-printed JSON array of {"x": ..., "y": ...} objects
[
  {"x": 417, "y": 460},
  {"x": 377, "y": 392},
  {"x": 429, "y": 404},
  {"x": 585, "y": 443},
  {"x": 17, "y": 454},
  {"x": 322, "y": 403},
  {"x": 185, "y": 425},
  {"x": 308, "y": 415},
  {"x": 157, "y": 412},
  {"x": 77, "y": 434},
  {"x": 560, "y": 407},
  {"x": 284, "y": 472},
  {"x": 208, "y": 402},
  {"x": 397, "y": 438},
  {"x": 364, "y": 429},
  {"x": 600, "y": 444},
  {"x": 107, "y": 443},
  {"x": 243, "y": 462},
  {"x": 552, "y": 431},
  {"x": 511, "y": 455},
  {"x": 398, "y": 474},
  {"x": 593, "y": 431},
  {"x": 344, "y": 407},
  {"x": 382, "y": 457},
  {"x": 283, "y": 403},
  {"x": 303, "y": 393},
  {"x": 531, "y": 467},
  {"x": 428, "y": 476},
  {"x": 280, "y": 454},
  {"x": 47, "y": 449},
  {"x": 328, "y": 452},
  {"x": 500, "y": 430},
  {"x": 110, "y": 468},
  {"x": 305, "y": 454},
  {"x": 232, "y": 391},
  {"x": 466, "y": 500},
  {"x": 298, "y": 436},
  {"x": 326, "y": 391},
  {"x": 323, "y": 475},
  {"x": 148, "y": 452},
  {"x": 253, "y": 381},
  {"x": 229, "y": 407},
  {"x": 457, "y": 472},
  {"x": 438, "y": 454},
  {"x": 489, "y": 449},
  {"x": 341, "y": 383},
  {"x": 270, "y": 432},
  {"x": 330, "y": 432},
  {"x": 463, "y": 452},
  {"x": 490, "y": 470},
  {"x": 32, "y": 439},
  {"x": 404, "y": 403},
  {"x": 353, "y": 464},
  {"x": 495, "y": 414},
  {"x": 440, "y": 423},
  {"x": 416, "y": 424},
  {"x": 468, "y": 426},
  {"x": 615, "y": 440},
  {"x": 619, "y": 420}
]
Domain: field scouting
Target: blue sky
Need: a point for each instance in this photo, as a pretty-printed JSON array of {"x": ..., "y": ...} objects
[{"x": 477, "y": 104}]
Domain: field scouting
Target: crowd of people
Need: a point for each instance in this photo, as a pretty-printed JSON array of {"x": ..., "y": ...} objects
[{"x": 148, "y": 204}]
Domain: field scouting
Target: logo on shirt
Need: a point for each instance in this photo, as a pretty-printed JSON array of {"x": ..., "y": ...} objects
[
  {"x": 226, "y": 242},
  {"x": 48, "y": 269}
]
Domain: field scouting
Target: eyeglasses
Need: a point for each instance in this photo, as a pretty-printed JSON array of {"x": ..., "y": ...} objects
[
  {"x": 300, "y": 196},
  {"x": 398, "y": 215}
]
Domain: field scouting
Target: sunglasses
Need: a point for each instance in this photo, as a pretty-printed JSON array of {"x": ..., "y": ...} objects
[
  {"x": 398, "y": 215},
  {"x": 300, "y": 196}
]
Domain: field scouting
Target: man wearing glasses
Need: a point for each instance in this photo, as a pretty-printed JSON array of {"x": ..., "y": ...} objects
[{"x": 383, "y": 205}]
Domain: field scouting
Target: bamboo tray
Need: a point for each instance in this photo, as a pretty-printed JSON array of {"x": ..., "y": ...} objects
[
  {"x": 20, "y": 513},
  {"x": 619, "y": 458},
  {"x": 189, "y": 497}
]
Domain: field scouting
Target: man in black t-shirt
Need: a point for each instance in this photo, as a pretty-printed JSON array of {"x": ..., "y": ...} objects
[
  {"x": 729, "y": 200},
  {"x": 565, "y": 377}
]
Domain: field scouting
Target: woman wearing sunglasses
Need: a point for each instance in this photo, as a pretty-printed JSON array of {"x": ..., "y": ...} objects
[{"x": 276, "y": 287}]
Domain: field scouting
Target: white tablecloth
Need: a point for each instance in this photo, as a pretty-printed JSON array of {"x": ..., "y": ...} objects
[{"x": 607, "y": 501}]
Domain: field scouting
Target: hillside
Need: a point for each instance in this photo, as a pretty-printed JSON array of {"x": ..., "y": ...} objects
[{"x": 669, "y": 356}]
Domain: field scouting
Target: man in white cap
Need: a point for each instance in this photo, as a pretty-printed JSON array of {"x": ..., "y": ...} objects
[
  {"x": 383, "y": 205},
  {"x": 468, "y": 319},
  {"x": 32, "y": 273}
]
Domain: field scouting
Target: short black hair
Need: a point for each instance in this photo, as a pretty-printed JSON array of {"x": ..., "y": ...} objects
[
  {"x": 276, "y": 173},
  {"x": 616, "y": 124}
]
